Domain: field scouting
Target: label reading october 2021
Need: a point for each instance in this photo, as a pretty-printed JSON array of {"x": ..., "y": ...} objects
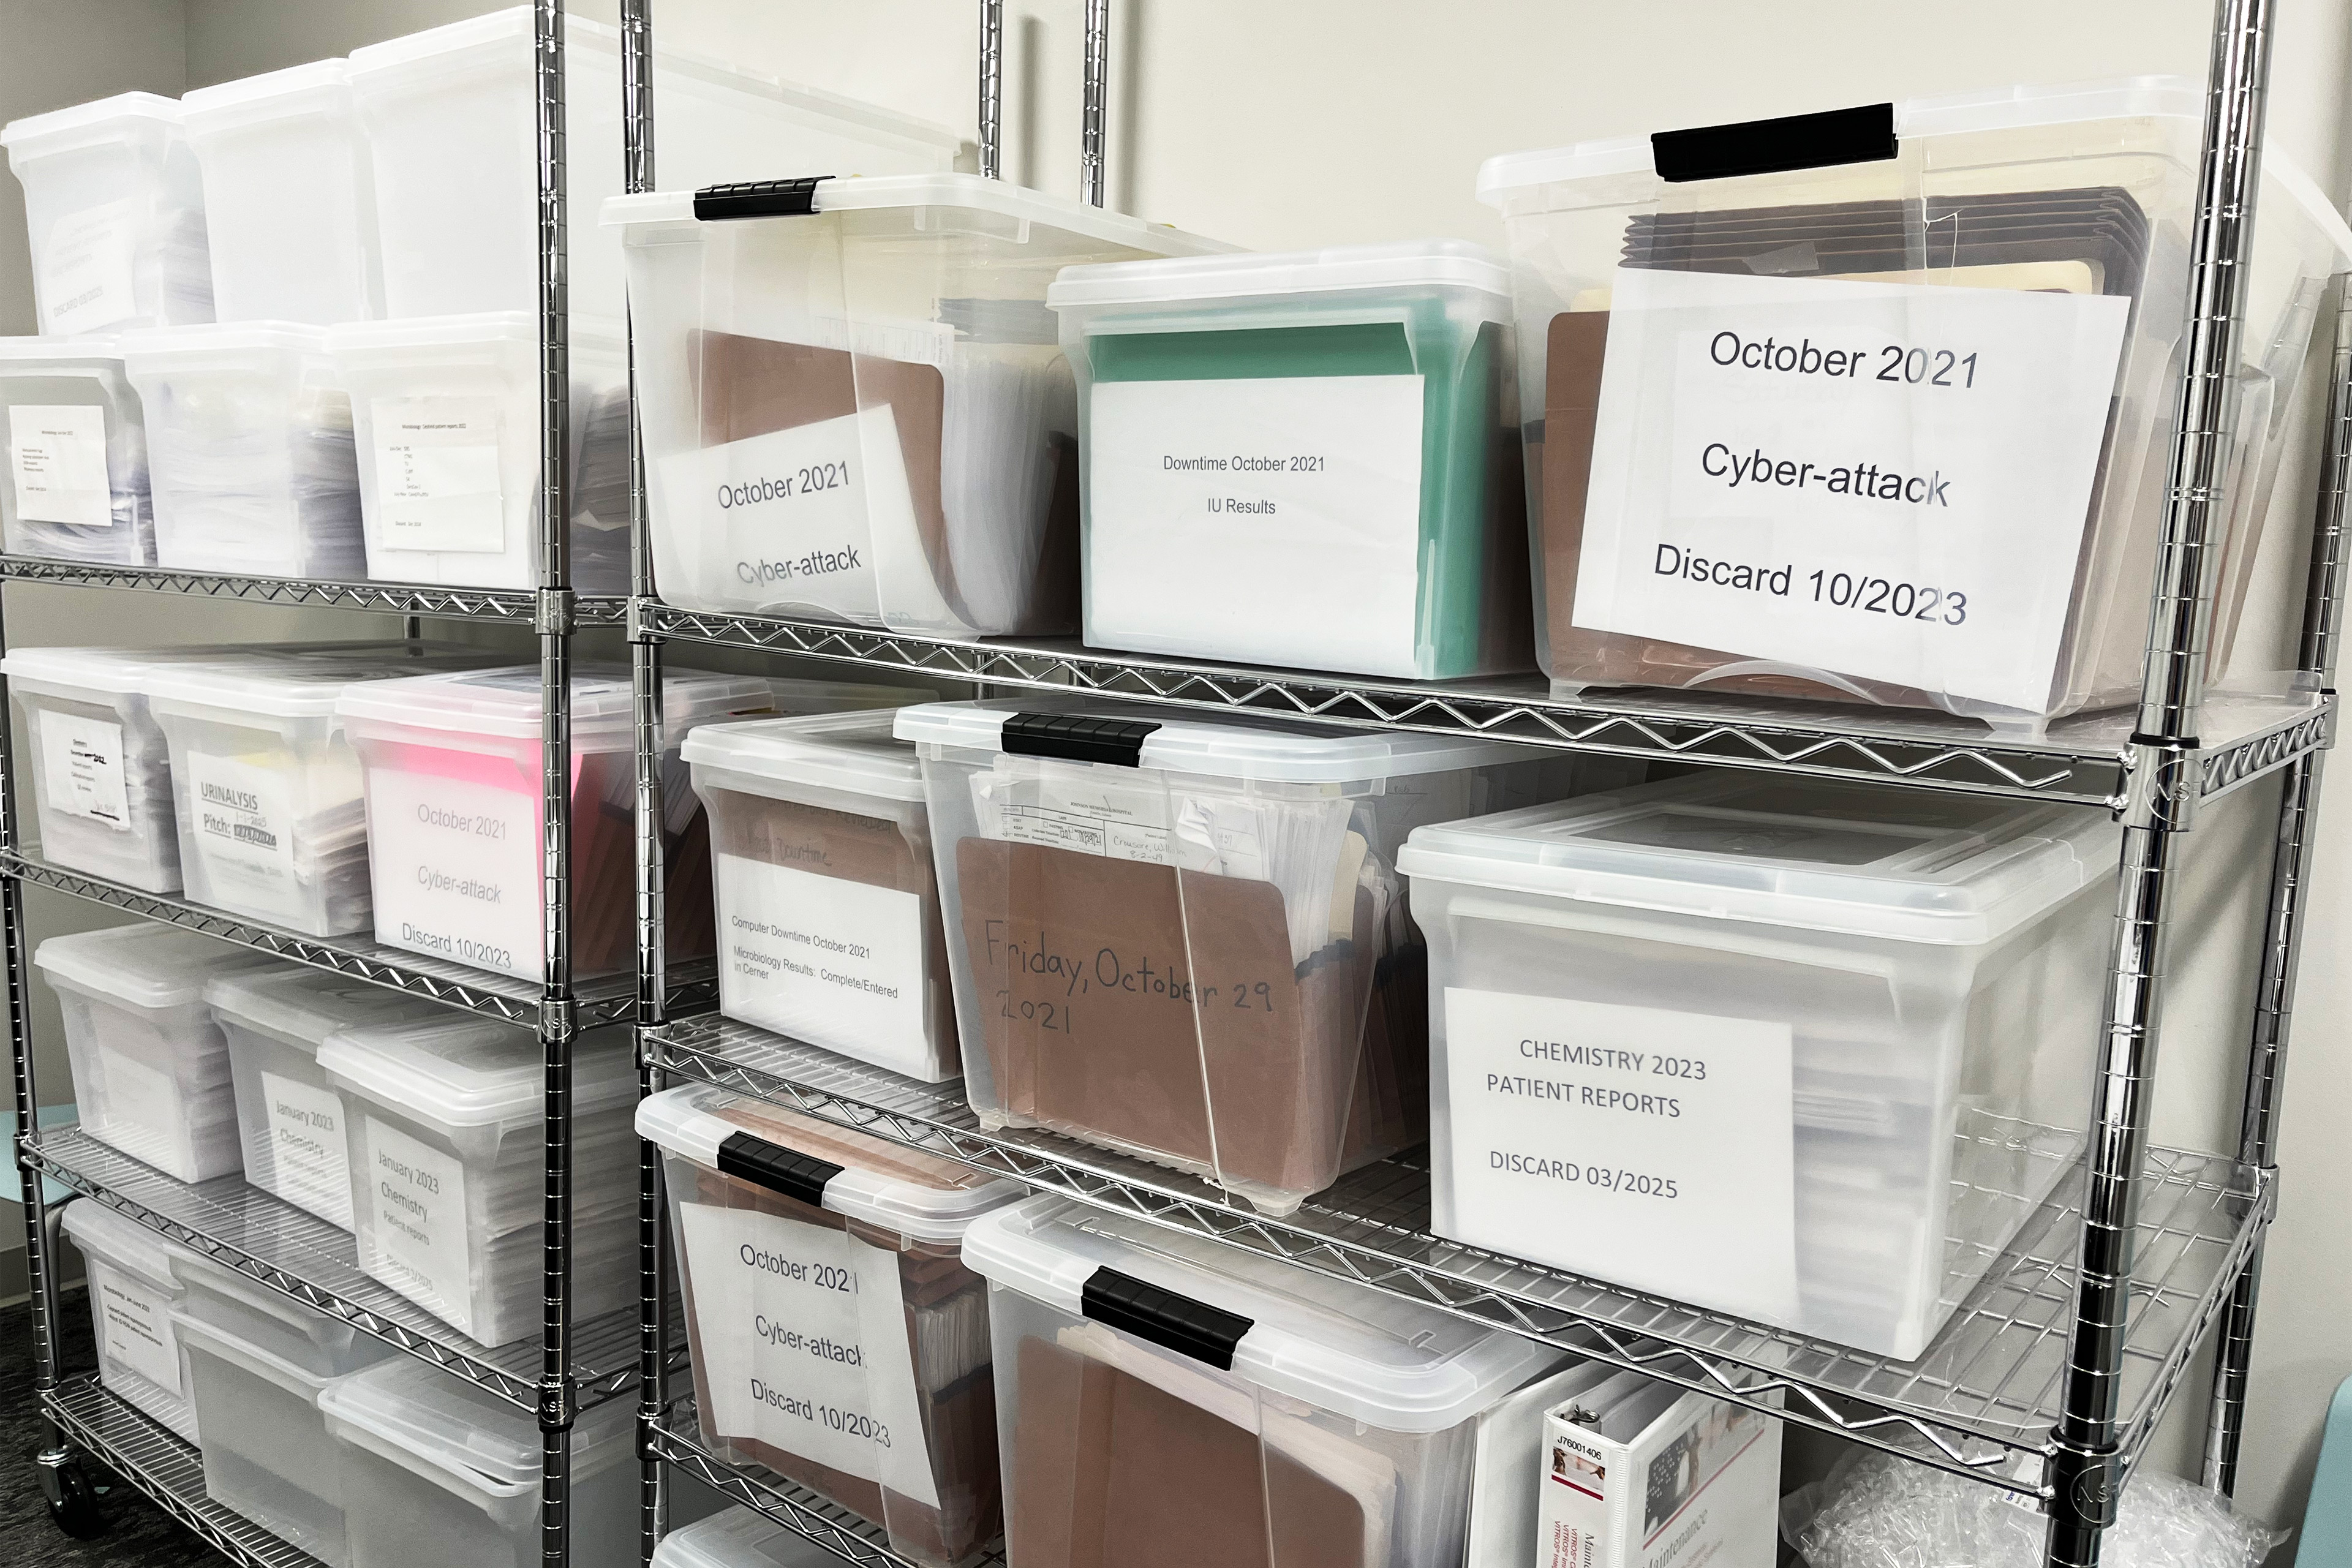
[
  {"x": 1888, "y": 481},
  {"x": 1649, "y": 1147}
]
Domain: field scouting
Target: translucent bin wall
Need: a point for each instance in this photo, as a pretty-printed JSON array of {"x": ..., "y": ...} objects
[{"x": 77, "y": 484}]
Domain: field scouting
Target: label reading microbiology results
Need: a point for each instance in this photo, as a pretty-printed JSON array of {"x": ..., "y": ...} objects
[
  {"x": 437, "y": 474},
  {"x": 1652, "y": 1148},
  {"x": 81, "y": 768},
  {"x": 57, "y": 461},
  {"x": 456, "y": 870},
  {"x": 801, "y": 1343},
  {"x": 1275, "y": 521},
  {"x": 1888, "y": 481},
  {"x": 832, "y": 961}
]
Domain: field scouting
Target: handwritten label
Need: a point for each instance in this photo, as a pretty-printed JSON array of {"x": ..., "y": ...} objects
[
  {"x": 1652, "y": 1148},
  {"x": 134, "y": 1325},
  {"x": 56, "y": 460},
  {"x": 1274, "y": 520},
  {"x": 81, "y": 768},
  {"x": 87, "y": 269},
  {"x": 836, "y": 963},
  {"x": 437, "y": 474},
  {"x": 306, "y": 1158},
  {"x": 417, "y": 1241},
  {"x": 1888, "y": 481},
  {"x": 455, "y": 867},
  {"x": 802, "y": 1344}
]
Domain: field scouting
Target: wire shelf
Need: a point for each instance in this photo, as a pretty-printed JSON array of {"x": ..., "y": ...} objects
[
  {"x": 164, "y": 1467},
  {"x": 317, "y": 1264},
  {"x": 432, "y": 600},
  {"x": 1981, "y": 1402},
  {"x": 846, "y": 1535},
  {"x": 610, "y": 999},
  {"x": 2083, "y": 761}
]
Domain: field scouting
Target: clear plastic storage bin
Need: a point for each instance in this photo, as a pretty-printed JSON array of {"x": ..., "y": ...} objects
[
  {"x": 1168, "y": 1400},
  {"x": 854, "y": 403},
  {"x": 149, "y": 1068},
  {"x": 1627, "y": 990},
  {"x": 1889, "y": 425},
  {"x": 738, "y": 1538},
  {"x": 446, "y": 412},
  {"x": 115, "y": 210},
  {"x": 289, "y": 1117},
  {"x": 258, "y": 1363},
  {"x": 451, "y": 120},
  {"x": 249, "y": 442},
  {"x": 829, "y": 905},
  {"x": 1309, "y": 460},
  {"x": 289, "y": 196},
  {"x": 821, "y": 1274},
  {"x": 449, "y": 1168},
  {"x": 272, "y": 824},
  {"x": 132, "y": 1277},
  {"x": 77, "y": 437},
  {"x": 438, "y": 1472},
  {"x": 98, "y": 766},
  {"x": 1183, "y": 936},
  {"x": 454, "y": 795}
]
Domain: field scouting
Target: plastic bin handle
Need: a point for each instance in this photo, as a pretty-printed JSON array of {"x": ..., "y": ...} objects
[
  {"x": 759, "y": 198},
  {"x": 1076, "y": 737},
  {"x": 1863, "y": 135},
  {"x": 1174, "y": 1323},
  {"x": 778, "y": 1169}
]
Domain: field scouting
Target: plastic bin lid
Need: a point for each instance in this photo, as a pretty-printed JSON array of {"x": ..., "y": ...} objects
[
  {"x": 739, "y": 1538},
  {"x": 1948, "y": 114},
  {"x": 964, "y": 193},
  {"x": 1810, "y": 855},
  {"x": 918, "y": 1196},
  {"x": 467, "y": 331},
  {"x": 472, "y": 1072},
  {"x": 95, "y": 346},
  {"x": 117, "y": 1238},
  {"x": 86, "y": 124},
  {"x": 110, "y": 669},
  {"x": 855, "y": 751},
  {"x": 142, "y": 965},
  {"x": 207, "y": 339},
  {"x": 249, "y": 101},
  {"x": 1218, "y": 745},
  {"x": 303, "y": 682},
  {"x": 505, "y": 701},
  {"x": 1344, "y": 1347},
  {"x": 303, "y": 1006},
  {"x": 442, "y": 1423},
  {"x": 268, "y": 1364},
  {"x": 1407, "y": 264}
]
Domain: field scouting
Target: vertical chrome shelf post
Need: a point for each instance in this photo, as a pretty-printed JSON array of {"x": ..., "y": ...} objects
[
  {"x": 992, "y": 88},
  {"x": 1095, "y": 110}
]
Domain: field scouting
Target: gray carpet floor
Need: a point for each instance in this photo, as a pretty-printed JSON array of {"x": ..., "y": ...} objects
[{"x": 139, "y": 1535}]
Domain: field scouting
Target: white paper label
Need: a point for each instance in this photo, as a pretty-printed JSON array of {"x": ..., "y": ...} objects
[
  {"x": 437, "y": 474},
  {"x": 310, "y": 1158},
  {"x": 417, "y": 1197},
  {"x": 456, "y": 868},
  {"x": 135, "y": 1327},
  {"x": 81, "y": 768},
  {"x": 1651, "y": 1148},
  {"x": 836, "y": 963},
  {"x": 1882, "y": 480},
  {"x": 244, "y": 817},
  {"x": 803, "y": 512},
  {"x": 86, "y": 268},
  {"x": 56, "y": 458},
  {"x": 1275, "y": 521},
  {"x": 802, "y": 1344}
]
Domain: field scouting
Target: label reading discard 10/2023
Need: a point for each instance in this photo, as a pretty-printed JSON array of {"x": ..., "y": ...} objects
[{"x": 1886, "y": 481}]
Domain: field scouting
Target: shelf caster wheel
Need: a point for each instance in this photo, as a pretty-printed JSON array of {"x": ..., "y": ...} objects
[{"x": 72, "y": 1498}]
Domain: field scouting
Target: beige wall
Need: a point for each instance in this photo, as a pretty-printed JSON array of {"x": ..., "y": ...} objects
[{"x": 1315, "y": 122}]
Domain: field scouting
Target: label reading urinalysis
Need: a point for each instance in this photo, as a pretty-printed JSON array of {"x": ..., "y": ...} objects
[
  {"x": 801, "y": 1343},
  {"x": 1888, "y": 481},
  {"x": 456, "y": 870},
  {"x": 243, "y": 814}
]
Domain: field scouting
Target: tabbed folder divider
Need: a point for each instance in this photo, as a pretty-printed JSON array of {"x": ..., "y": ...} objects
[
  {"x": 794, "y": 197},
  {"x": 1861, "y": 135},
  {"x": 1077, "y": 738},
  {"x": 780, "y": 1170},
  {"x": 1177, "y": 1322}
]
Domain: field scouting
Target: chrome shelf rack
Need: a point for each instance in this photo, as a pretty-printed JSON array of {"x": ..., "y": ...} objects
[
  {"x": 566, "y": 1367},
  {"x": 2050, "y": 1380}
]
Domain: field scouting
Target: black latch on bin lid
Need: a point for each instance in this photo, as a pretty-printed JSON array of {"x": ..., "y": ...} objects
[
  {"x": 780, "y": 1170},
  {"x": 760, "y": 198},
  {"x": 1864, "y": 135},
  {"x": 1190, "y": 1328},
  {"x": 1078, "y": 737}
]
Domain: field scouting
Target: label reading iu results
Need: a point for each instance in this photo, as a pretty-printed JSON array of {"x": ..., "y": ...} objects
[{"x": 1885, "y": 481}]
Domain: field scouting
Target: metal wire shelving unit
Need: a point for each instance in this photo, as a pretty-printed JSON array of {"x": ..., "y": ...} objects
[
  {"x": 566, "y": 1367},
  {"x": 2050, "y": 1380}
]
